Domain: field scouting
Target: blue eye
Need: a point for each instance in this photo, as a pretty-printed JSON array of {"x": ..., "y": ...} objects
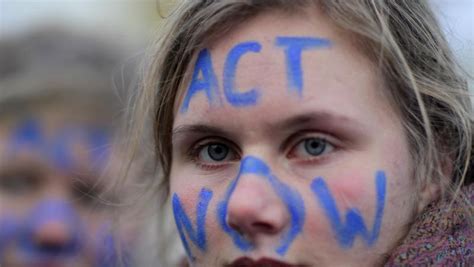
[
  {"x": 215, "y": 152},
  {"x": 311, "y": 147},
  {"x": 315, "y": 146}
]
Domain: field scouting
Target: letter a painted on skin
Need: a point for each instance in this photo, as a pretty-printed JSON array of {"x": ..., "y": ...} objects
[
  {"x": 183, "y": 223},
  {"x": 207, "y": 82},
  {"x": 354, "y": 223}
]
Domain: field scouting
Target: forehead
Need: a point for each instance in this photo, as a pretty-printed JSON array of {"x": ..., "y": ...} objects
[{"x": 333, "y": 74}]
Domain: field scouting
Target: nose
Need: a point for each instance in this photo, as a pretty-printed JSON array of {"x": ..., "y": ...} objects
[
  {"x": 52, "y": 230},
  {"x": 255, "y": 210},
  {"x": 53, "y": 236}
]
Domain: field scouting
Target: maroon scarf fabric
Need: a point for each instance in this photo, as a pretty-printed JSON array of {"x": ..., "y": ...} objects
[{"x": 439, "y": 237}]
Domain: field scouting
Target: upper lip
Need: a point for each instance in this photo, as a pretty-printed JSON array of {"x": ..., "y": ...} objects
[{"x": 262, "y": 262}]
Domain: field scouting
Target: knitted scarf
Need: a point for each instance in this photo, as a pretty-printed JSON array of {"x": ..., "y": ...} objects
[{"x": 439, "y": 237}]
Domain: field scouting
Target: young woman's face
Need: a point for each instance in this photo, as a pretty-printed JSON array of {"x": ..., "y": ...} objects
[
  {"x": 286, "y": 151},
  {"x": 50, "y": 212}
]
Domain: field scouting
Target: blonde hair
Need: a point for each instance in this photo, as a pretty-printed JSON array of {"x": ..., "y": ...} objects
[{"x": 423, "y": 81}]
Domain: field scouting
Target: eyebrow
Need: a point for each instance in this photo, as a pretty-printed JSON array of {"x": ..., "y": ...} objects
[
  {"x": 324, "y": 119},
  {"x": 199, "y": 129},
  {"x": 319, "y": 118}
]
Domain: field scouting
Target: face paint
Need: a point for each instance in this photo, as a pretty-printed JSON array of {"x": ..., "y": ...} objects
[
  {"x": 183, "y": 223},
  {"x": 345, "y": 233},
  {"x": 27, "y": 136},
  {"x": 292, "y": 199},
  {"x": 207, "y": 82},
  {"x": 22, "y": 232},
  {"x": 313, "y": 83},
  {"x": 52, "y": 211},
  {"x": 58, "y": 149},
  {"x": 235, "y": 98},
  {"x": 354, "y": 223},
  {"x": 67, "y": 237},
  {"x": 294, "y": 47},
  {"x": 108, "y": 254},
  {"x": 8, "y": 231}
]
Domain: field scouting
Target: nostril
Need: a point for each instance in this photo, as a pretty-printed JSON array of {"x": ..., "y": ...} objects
[
  {"x": 52, "y": 233},
  {"x": 52, "y": 248},
  {"x": 236, "y": 228},
  {"x": 263, "y": 227},
  {"x": 251, "y": 228}
]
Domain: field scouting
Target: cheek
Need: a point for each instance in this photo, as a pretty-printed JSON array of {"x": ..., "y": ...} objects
[
  {"x": 352, "y": 189},
  {"x": 186, "y": 189},
  {"x": 347, "y": 193},
  {"x": 353, "y": 192}
]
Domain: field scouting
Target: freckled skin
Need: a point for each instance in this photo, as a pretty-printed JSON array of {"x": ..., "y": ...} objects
[{"x": 336, "y": 80}]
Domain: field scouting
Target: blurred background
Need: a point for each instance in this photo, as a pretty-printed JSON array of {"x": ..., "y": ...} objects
[
  {"x": 136, "y": 20},
  {"x": 66, "y": 68}
]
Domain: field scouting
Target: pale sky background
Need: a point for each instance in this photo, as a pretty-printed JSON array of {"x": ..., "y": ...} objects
[{"x": 135, "y": 20}]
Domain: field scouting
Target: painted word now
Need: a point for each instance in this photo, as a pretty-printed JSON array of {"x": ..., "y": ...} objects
[{"x": 345, "y": 229}]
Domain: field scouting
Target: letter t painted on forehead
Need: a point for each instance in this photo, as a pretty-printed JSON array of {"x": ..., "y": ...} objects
[{"x": 294, "y": 47}]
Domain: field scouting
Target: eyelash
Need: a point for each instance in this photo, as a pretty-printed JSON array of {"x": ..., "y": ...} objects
[
  {"x": 300, "y": 139},
  {"x": 293, "y": 143},
  {"x": 196, "y": 150}
]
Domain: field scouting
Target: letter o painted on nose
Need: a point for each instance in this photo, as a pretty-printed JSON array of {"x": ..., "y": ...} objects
[{"x": 292, "y": 199}]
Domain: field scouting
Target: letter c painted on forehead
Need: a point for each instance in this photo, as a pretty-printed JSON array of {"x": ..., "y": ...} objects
[{"x": 235, "y": 98}]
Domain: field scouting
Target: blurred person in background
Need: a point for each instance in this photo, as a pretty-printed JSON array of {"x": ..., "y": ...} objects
[{"x": 59, "y": 113}]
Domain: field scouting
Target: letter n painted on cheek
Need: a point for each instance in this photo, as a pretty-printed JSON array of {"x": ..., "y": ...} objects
[
  {"x": 294, "y": 47},
  {"x": 183, "y": 223},
  {"x": 346, "y": 233},
  {"x": 235, "y": 98},
  {"x": 204, "y": 79}
]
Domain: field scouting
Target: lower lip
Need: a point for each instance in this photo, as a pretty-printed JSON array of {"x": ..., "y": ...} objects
[{"x": 247, "y": 262}]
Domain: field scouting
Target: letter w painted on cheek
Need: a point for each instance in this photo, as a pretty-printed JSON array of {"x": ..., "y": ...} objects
[
  {"x": 294, "y": 47},
  {"x": 292, "y": 199},
  {"x": 183, "y": 223},
  {"x": 345, "y": 233}
]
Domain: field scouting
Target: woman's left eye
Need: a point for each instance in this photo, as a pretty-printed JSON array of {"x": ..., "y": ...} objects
[{"x": 311, "y": 147}]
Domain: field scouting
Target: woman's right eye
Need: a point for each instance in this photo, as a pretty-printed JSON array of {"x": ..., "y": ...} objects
[{"x": 215, "y": 154}]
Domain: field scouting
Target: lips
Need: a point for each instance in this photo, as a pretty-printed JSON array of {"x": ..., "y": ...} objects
[{"x": 263, "y": 262}]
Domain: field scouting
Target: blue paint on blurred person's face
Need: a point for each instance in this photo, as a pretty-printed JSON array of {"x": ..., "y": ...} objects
[{"x": 49, "y": 189}]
